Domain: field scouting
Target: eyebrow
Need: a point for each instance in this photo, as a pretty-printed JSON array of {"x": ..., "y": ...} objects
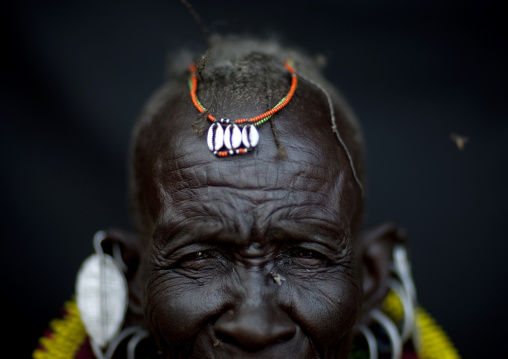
[
  {"x": 171, "y": 236},
  {"x": 317, "y": 230}
]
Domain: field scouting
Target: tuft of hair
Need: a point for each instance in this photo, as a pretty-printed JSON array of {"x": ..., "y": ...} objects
[{"x": 228, "y": 50}]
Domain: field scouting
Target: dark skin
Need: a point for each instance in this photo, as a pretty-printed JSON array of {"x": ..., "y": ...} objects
[{"x": 253, "y": 256}]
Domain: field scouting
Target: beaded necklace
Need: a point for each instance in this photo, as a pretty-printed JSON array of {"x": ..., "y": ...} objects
[
  {"x": 240, "y": 131},
  {"x": 67, "y": 335}
]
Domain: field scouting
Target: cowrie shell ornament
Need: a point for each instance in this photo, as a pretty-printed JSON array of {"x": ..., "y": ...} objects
[
  {"x": 250, "y": 136},
  {"x": 232, "y": 137},
  {"x": 215, "y": 137},
  {"x": 236, "y": 140}
]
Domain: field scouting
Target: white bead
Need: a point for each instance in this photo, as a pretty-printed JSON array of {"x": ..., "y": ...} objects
[
  {"x": 232, "y": 137},
  {"x": 215, "y": 137},
  {"x": 250, "y": 136}
]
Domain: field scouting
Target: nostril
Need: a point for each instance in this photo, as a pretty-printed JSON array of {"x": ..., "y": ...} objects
[
  {"x": 285, "y": 337},
  {"x": 253, "y": 331},
  {"x": 230, "y": 339},
  {"x": 226, "y": 338},
  {"x": 253, "y": 341}
]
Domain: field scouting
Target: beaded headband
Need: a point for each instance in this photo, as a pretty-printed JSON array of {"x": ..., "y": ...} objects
[
  {"x": 233, "y": 138},
  {"x": 238, "y": 136}
]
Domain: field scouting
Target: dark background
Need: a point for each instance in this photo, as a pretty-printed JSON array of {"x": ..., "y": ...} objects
[{"x": 75, "y": 74}]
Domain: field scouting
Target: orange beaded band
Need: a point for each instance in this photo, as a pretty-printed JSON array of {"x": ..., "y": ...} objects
[
  {"x": 253, "y": 120},
  {"x": 226, "y": 137}
]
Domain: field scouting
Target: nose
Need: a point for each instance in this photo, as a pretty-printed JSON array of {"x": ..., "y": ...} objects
[{"x": 254, "y": 327}]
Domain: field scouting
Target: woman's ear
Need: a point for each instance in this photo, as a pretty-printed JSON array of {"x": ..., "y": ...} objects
[
  {"x": 128, "y": 250},
  {"x": 374, "y": 254}
]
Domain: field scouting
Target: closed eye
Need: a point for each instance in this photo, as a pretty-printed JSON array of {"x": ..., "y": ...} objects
[
  {"x": 196, "y": 260},
  {"x": 199, "y": 255},
  {"x": 306, "y": 257}
]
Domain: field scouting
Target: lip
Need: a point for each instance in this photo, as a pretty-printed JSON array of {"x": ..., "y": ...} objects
[
  {"x": 276, "y": 351},
  {"x": 298, "y": 347}
]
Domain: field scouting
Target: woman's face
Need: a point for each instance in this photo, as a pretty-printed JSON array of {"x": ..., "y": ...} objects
[
  {"x": 250, "y": 256},
  {"x": 252, "y": 259}
]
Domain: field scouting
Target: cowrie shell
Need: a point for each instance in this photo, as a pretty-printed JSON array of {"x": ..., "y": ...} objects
[
  {"x": 250, "y": 136},
  {"x": 232, "y": 137},
  {"x": 215, "y": 137}
]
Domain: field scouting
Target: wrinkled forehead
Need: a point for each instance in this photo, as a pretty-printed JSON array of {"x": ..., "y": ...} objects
[
  {"x": 254, "y": 192},
  {"x": 313, "y": 178}
]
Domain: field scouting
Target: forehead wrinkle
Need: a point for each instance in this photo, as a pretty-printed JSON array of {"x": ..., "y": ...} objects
[
  {"x": 190, "y": 182},
  {"x": 320, "y": 207},
  {"x": 237, "y": 208},
  {"x": 247, "y": 175},
  {"x": 259, "y": 205},
  {"x": 252, "y": 221}
]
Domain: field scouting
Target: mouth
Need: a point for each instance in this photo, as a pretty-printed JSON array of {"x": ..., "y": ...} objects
[
  {"x": 222, "y": 350},
  {"x": 298, "y": 347}
]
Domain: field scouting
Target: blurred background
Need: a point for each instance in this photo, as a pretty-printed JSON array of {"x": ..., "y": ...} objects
[{"x": 75, "y": 74}]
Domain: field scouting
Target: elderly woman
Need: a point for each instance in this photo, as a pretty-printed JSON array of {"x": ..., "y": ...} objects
[{"x": 247, "y": 184}]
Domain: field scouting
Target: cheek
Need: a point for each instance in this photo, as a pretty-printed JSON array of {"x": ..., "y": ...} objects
[
  {"x": 326, "y": 307},
  {"x": 177, "y": 306}
]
